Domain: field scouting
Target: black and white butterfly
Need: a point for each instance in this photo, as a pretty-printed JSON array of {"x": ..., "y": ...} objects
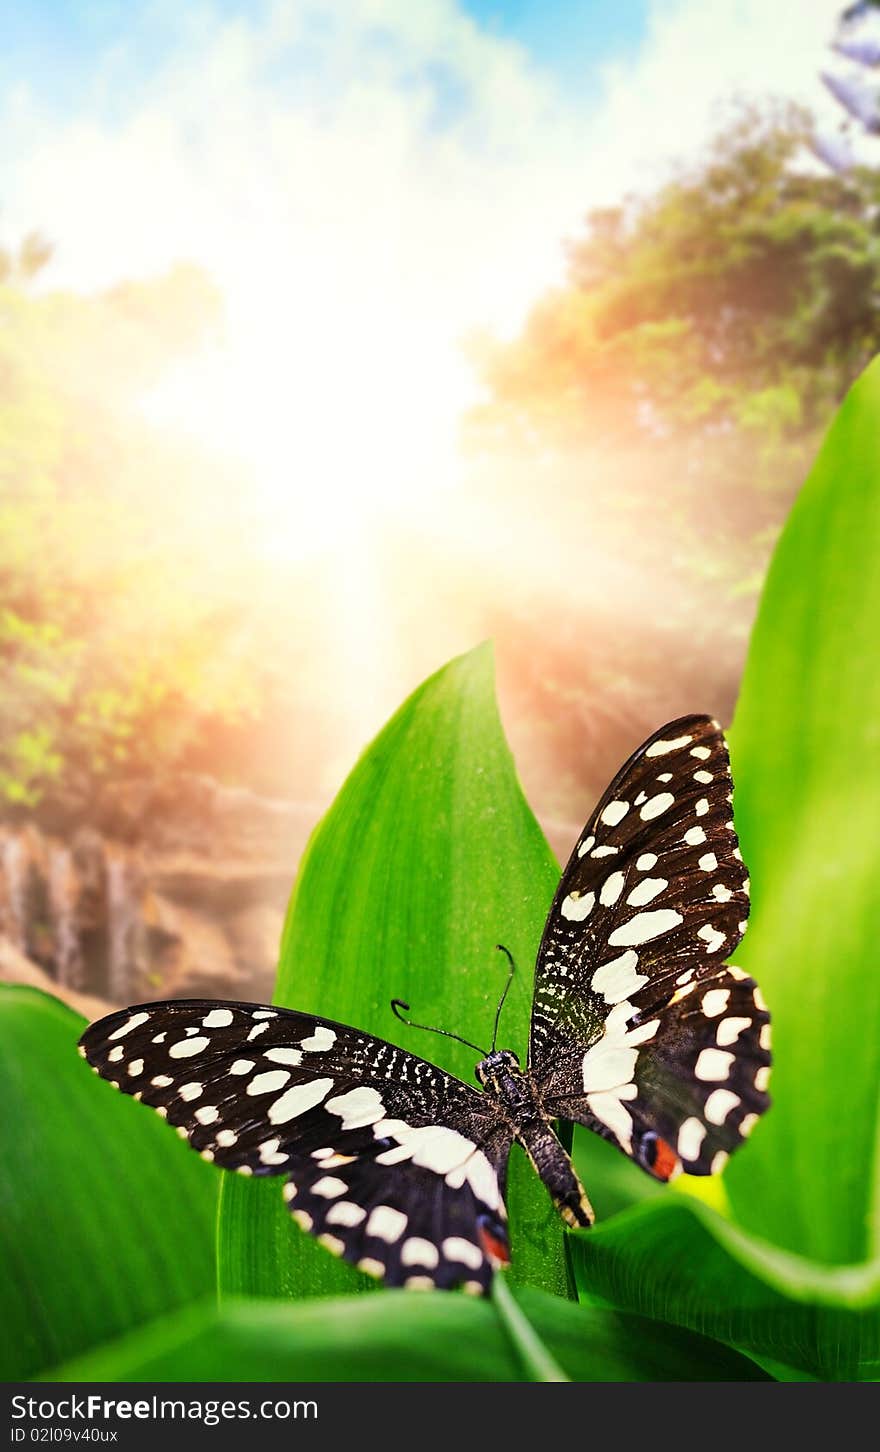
[{"x": 639, "y": 1031}]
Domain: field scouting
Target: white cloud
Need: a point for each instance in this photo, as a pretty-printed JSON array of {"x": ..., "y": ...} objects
[{"x": 368, "y": 180}]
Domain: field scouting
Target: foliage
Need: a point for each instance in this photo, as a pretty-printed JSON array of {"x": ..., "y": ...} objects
[
  {"x": 430, "y": 852},
  {"x": 114, "y": 637},
  {"x": 703, "y": 337}
]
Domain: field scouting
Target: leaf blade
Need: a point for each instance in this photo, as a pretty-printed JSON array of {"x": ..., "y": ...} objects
[
  {"x": 81, "y": 1151},
  {"x": 401, "y": 1336},
  {"x": 807, "y": 764},
  {"x": 428, "y": 857}
]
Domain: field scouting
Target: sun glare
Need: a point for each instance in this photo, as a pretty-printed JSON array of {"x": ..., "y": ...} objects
[{"x": 335, "y": 418}]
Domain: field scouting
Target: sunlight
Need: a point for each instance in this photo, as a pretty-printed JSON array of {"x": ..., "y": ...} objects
[{"x": 331, "y": 430}]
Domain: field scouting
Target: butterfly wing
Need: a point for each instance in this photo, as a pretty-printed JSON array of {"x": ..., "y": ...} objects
[
  {"x": 638, "y": 1028},
  {"x": 390, "y": 1162}
]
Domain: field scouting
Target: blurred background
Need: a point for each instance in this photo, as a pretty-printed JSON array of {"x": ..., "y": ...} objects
[{"x": 338, "y": 335}]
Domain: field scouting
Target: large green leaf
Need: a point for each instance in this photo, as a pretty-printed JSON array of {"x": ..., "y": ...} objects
[
  {"x": 796, "y": 1276},
  {"x": 428, "y": 857},
  {"x": 680, "y": 1262},
  {"x": 106, "y": 1219},
  {"x": 806, "y": 753},
  {"x": 399, "y": 1336}
]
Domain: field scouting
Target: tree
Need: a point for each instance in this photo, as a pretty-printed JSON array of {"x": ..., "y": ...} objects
[{"x": 708, "y": 330}]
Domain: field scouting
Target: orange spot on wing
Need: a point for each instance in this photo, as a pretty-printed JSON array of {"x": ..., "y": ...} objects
[
  {"x": 666, "y": 1162},
  {"x": 495, "y": 1248}
]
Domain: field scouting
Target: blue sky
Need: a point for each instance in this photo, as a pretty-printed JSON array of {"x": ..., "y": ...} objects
[
  {"x": 97, "y": 53},
  {"x": 571, "y": 38}
]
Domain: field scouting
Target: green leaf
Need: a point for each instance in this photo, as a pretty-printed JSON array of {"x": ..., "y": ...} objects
[
  {"x": 428, "y": 857},
  {"x": 106, "y": 1219},
  {"x": 806, "y": 756},
  {"x": 680, "y": 1262},
  {"x": 401, "y": 1336}
]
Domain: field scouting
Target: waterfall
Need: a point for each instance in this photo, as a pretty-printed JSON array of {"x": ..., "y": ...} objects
[
  {"x": 14, "y": 868},
  {"x": 123, "y": 923},
  {"x": 63, "y": 893}
]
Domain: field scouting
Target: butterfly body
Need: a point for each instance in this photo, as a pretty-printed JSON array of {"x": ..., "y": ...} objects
[
  {"x": 640, "y": 1031},
  {"x": 519, "y": 1100}
]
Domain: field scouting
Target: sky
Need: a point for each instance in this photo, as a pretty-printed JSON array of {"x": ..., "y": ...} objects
[{"x": 368, "y": 181}]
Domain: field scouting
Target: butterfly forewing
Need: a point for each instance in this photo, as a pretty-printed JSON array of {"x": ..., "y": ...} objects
[
  {"x": 392, "y": 1163},
  {"x": 653, "y": 899}
]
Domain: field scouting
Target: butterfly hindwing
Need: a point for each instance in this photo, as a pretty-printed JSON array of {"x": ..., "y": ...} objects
[
  {"x": 654, "y": 897},
  {"x": 677, "y": 1085},
  {"x": 392, "y": 1163}
]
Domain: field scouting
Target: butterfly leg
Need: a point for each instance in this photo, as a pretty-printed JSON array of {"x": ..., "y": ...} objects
[{"x": 558, "y": 1173}]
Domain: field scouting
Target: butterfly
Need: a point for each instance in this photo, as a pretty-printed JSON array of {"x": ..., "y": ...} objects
[{"x": 639, "y": 1030}]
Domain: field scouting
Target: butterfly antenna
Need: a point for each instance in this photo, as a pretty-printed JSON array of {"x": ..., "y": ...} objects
[
  {"x": 397, "y": 1004},
  {"x": 509, "y": 956}
]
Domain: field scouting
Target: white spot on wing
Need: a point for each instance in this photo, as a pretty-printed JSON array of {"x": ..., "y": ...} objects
[
  {"x": 358, "y": 1107},
  {"x": 187, "y": 1047},
  {"x": 345, "y": 1212},
  {"x": 585, "y": 846},
  {"x": 226, "y": 1138},
  {"x": 617, "y": 979},
  {"x": 417, "y": 1251},
  {"x": 259, "y": 1028},
  {"x": 455, "y": 1248},
  {"x": 656, "y": 806},
  {"x": 241, "y": 1066},
  {"x": 284, "y": 1056},
  {"x": 320, "y": 1041},
  {"x": 690, "y": 1139},
  {"x": 269, "y": 1082},
  {"x": 116, "y": 1054},
  {"x": 218, "y": 1018},
  {"x": 208, "y": 1114},
  {"x": 708, "y": 862},
  {"x": 612, "y": 887},
  {"x": 713, "y": 1065},
  {"x": 270, "y": 1153},
  {"x": 646, "y": 890},
  {"x": 190, "y": 1091},
  {"x": 694, "y": 836},
  {"x": 662, "y": 748},
  {"x": 614, "y": 813},
  {"x": 130, "y": 1023},
  {"x": 577, "y": 908},
  {"x": 643, "y": 927},
  {"x": 719, "y": 1104},
  {"x": 715, "y": 1002},
  {"x": 328, "y": 1187},
  {"x": 598, "y": 852},
  {"x": 386, "y": 1223},
  {"x": 730, "y": 1029},
  {"x": 647, "y": 861},
  {"x": 701, "y": 752},
  {"x": 712, "y": 938},
  {"x": 298, "y": 1100}
]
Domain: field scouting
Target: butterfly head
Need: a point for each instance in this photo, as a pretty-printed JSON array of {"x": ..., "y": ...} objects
[{"x": 496, "y": 1067}]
